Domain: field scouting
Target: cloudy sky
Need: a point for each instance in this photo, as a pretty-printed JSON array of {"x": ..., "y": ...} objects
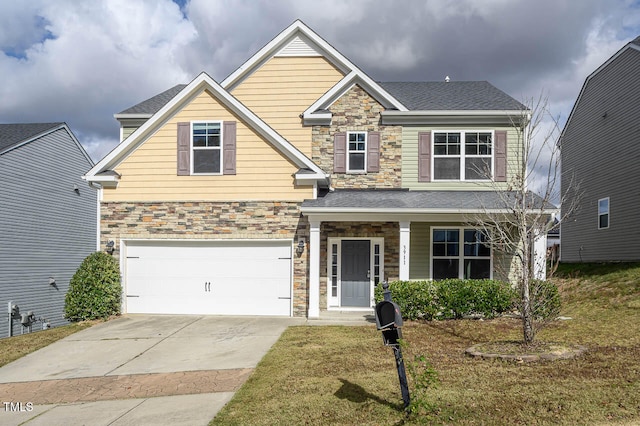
[{"x": 82, "y": 61}]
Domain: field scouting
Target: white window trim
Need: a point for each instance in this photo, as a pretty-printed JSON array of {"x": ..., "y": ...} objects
[
  {"x": 608, "y": 213},
  {"x": 366, "y": 149},
  {"x": 191, "y": 147},
  {"x": 334, "y": 303},
  {"x": 461, "y": 257},
  {"x": 462, "y": 155}
]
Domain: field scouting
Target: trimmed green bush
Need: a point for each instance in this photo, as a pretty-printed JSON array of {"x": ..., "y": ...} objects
[
  {"x": 95, "y": 291},
  {"x": 417, "y": 299},
  {"x": 450, "y": 298}
]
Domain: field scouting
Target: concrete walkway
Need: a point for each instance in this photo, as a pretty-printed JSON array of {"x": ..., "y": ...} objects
[
  {"x": 144, "y": 369},
  {"x": 138, "y": 370}
]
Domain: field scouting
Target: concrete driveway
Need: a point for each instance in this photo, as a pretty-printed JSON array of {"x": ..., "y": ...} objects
[{"x": 138, "y": 370}]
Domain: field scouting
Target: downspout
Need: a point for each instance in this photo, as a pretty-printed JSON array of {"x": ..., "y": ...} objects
[{"x": 98, "y": 188}]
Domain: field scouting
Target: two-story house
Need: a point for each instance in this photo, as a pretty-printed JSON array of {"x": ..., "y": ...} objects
[
  {"x": 47, "y": 222},
  {"x": 298, "y": 183},
  {"x": 600, "y": 151}
]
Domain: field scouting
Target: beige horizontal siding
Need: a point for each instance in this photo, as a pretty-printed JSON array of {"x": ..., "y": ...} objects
[
  {"x": 150, "y": 172},
  {"x": 410, "y": 159},
  {"x": 283, "y": 88}
]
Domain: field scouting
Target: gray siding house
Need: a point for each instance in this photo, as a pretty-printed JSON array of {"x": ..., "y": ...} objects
[
  {"x": 601, "y": 152},
  {"x": 48, "y": 223}
]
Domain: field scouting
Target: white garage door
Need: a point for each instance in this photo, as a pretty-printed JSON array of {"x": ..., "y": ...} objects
[{"x": 223, "y": 278}]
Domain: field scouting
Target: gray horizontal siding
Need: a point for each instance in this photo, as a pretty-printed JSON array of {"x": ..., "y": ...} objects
[
  {"x": 47, "y": 228},
  {"x": 601, "y": 150}
]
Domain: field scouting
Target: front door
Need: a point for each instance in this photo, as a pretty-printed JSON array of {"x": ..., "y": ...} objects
[{"x": 356, "y": 273}]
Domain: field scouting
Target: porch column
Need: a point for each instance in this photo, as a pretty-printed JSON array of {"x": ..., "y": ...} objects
[
  {"x": 314, "y": 269},
  {"x": 405, "y": 238}
]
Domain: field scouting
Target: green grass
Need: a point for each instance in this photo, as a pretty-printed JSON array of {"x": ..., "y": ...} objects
[
  {"x": 343, "y": 375},
  {"x": 12, "y": 348}
]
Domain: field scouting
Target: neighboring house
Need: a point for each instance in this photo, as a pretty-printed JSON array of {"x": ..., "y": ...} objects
[
  {"x": 48, "y": 223},
  {"x": 299, "y": 183},
  {"x": 600, "y": 153}
]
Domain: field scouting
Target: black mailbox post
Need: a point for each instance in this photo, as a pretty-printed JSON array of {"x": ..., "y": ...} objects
[{"x": 389, "y": 322}]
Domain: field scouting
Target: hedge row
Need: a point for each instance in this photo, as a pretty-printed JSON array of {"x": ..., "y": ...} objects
[{"x": 451, "y": 298}]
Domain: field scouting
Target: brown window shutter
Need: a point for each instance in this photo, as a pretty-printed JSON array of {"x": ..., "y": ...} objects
[
  {"x": 184, "y": 148},
  {"x": 500, "y": 155},
  {"x": 229, "y": 147},
  {"x": 373, "y": 152},
  {"x": 340, "y": 152},
  {"x": 424, "y": 157}
]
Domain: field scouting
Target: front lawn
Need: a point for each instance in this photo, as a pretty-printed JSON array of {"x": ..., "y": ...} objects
[{"x": 343, "y": 375}]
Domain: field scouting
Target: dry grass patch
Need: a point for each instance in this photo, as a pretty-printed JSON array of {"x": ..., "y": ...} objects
[
  {"x": 12, "y": 348},
  {"x": 343, "y": 375}
]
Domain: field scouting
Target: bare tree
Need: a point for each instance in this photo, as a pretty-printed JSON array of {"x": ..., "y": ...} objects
[{"x": 525, "y": 207}]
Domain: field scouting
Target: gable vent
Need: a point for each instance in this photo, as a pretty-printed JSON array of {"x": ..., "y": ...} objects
[{"x": 298, "y": 47}]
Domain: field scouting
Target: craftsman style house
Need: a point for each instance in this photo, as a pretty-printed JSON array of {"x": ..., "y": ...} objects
[
  {"x": 600, "y": 151},
  {"x": 298, "y": 183}
]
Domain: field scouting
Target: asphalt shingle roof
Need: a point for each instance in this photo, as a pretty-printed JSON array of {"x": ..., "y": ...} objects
[
  {"x": 404, "y": 199},
  {"x": 155, "y": 103},
  {"x": 15, "y": 133},
  {"x": 453, "y": 95}
]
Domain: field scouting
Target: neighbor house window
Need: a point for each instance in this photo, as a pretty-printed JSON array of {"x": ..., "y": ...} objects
[
  {"x": 462, "y": 155},
  {"x": 356, "y": 151},
  {"x": 603, "y": 213},
  {"x": 460, "y": 253},
  {"x": 206, "y": 147}
]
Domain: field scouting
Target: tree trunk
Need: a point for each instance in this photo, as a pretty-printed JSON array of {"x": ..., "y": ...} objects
[{"x": 527, "y": 315}]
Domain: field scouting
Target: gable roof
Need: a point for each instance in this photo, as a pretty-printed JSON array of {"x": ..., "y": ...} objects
[
  {"x": 102, "y": 172},
  {"x": 632, "y": 45},
  {"x": 14, "y": 134},
  {"x": 297, "y": 34},
  {"x": 453, "y": 95}
]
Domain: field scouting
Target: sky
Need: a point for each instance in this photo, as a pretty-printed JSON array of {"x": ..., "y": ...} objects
[{"x": 81, "y": 62}]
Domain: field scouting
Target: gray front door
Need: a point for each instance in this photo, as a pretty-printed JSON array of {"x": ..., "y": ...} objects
[{"x": 355, "y": 272}]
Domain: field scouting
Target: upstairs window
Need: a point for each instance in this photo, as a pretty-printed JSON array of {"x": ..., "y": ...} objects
[
  {"x": 464, "y": 155},
  {"x": 357, "y": 151},
  {"x": 603, "y": 213},
  {"x": 206, "y": 147}
]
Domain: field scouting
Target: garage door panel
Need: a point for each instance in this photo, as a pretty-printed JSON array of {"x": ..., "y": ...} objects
[{"x": 237, "y": 278}]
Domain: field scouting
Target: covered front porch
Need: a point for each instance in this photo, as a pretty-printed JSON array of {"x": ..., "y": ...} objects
[{"x": 358, "y": 238}]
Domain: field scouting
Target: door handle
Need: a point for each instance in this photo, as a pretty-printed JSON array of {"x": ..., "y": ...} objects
[{"x": 368, "y": 273}]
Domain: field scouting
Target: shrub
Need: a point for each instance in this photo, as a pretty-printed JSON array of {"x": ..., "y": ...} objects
[
  {"x": 450, "y": 298},
  {"x": 94, "y": 291},
  {"x": 417, "y": 299}
]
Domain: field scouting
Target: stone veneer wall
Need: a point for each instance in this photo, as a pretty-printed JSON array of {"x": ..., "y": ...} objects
[
  {"x": 212, "y": 220},
  {"x": 354, "y": 111},
  {"x": 390, "y": 231}
]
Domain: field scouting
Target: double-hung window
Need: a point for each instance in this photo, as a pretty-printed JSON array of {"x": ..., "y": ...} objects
[
  {"x": 464, "y": 155},
  {"x": 603, "y": 213},
  {"x": 206, "y": 147},
  {"x": 356, "y": 151},
  {"x": 460, "y": 253}
]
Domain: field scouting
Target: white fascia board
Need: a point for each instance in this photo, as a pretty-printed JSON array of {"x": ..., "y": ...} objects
[
  {"x": 200, "y": 83},
  {"x": 308, "y": 211},
  {"x": 335, "y": 57},
  {"x": 132, "y": 116},
  {"x": 451, "y": 116},
  {"x": 341, "y": 88}
]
